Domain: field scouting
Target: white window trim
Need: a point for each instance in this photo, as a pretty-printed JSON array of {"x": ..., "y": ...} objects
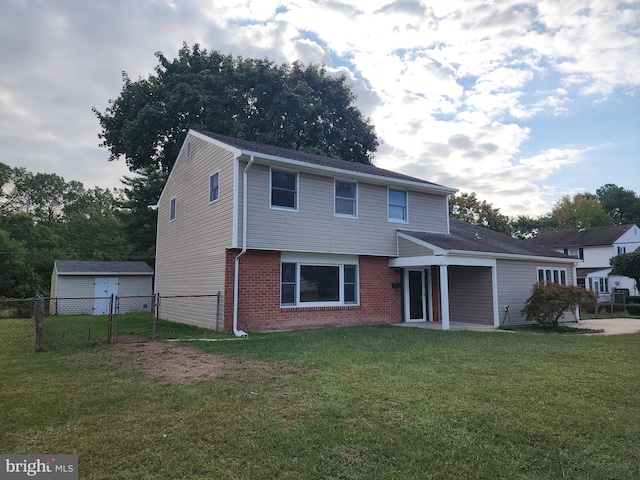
[
  {"x": 406, "y": 207},
  {"x": 297, "y": 197},
  {"x": 173, "y": 209},
  {"x": 345, "y": 215},
  {"x": 218, "y": 197},
  {"x": 326, "y": 261},
  {"x": 544, "y": 274}
]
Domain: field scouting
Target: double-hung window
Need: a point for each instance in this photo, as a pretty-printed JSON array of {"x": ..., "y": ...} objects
[
  {"x": 397, "y": 205},
  {"x": 214, "y": 187},
  {"x": 284, "y": 190},
  {"x": 552, "y": 275},
  {"x": 316, "y": 283},
  {"x": 345, "y": 201}
]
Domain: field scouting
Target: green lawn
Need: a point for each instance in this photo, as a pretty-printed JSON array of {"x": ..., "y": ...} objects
[{"x": 368, "y": 403}]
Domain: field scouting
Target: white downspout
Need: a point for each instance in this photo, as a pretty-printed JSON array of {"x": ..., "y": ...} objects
[{"x": 236, "y": 282}]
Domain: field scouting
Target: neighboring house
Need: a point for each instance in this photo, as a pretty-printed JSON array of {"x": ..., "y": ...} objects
[
  {"x": 84, "y": 287},
  {"x": 295, "y": 240},
  {"x": 594, "y": 247}
]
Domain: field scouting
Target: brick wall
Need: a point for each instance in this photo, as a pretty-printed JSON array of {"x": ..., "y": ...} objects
[{"x": 259, "y": 297}]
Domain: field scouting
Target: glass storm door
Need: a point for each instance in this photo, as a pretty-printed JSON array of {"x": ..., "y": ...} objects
[{"x": 416, "y": 304}]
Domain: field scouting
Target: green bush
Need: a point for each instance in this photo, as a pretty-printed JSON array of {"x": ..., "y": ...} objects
[
  {"x": 633, "y": 299},
  {"x": 606, "y": 308},
  {"x": 633, "y": 308}
]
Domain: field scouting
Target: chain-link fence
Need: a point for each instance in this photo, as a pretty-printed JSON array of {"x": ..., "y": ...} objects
[{"x": 71, "y": 323}]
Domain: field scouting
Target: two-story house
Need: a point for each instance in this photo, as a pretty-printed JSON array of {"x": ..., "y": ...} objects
[
  {"x": 594, "y": 247},
  {"x": 295, "y": 240}
]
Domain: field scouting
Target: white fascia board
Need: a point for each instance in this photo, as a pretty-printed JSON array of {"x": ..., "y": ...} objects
[
  {"x": 442, "y": 260},
  {"x": 511, "y": 256},
  {"x": 437, "y": 189},
  {"x": 104, "y": 274}
]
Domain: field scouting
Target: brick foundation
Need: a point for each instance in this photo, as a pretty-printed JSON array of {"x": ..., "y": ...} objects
[{"x": 259, "y": 298}]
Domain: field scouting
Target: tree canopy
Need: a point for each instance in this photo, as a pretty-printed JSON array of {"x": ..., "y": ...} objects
[
  {"x": 467, "y": 207},
  {"x": 290, "y": 106},
  {"x": 627, "y": 265}
]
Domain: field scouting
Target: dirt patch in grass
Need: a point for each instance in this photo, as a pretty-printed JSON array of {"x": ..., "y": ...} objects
[{"x": 175, "y": 363}]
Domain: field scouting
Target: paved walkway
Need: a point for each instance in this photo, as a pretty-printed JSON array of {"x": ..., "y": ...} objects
[{"x": 611, "y": 326}]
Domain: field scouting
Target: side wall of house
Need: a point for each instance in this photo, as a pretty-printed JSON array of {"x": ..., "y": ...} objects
[
  {"x": 190, "y": 256},
  {"x": 470, "y": 295},
  {"x": 259, "y": 300},
  {"x": 516, "y": 279},
  {"x": 315, "y": 228}
]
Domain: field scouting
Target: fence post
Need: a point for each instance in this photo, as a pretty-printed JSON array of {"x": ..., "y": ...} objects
[
  {"x": 155, "y": 301},
  {"x": 218, "y": 312},
  {"x": 38, "y": 319},
  {"x": 113, "y": 317}
]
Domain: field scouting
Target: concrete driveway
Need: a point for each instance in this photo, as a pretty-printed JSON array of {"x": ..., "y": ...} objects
[{"x": 611, "y": 326}]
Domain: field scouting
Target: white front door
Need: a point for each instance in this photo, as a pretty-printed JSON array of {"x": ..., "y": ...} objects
[
  {"x": 415, "y": 296},
  {"x": 104, "y": 288}
]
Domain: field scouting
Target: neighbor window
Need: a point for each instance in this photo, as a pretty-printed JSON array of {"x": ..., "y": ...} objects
[
  {"x": 188, "y": 149},
  {"x": 308, "y": 284},
  {"x": 599, "y": 284},
  {"x": 284, "y": 191},
  {"x": 552, "y": 275},
  {"x": 214, "y": 187},
  {"x": 397, "y": 205},
  {"x": 345, "y": 198},
  {"x": 622, "y": 250},
  {"x": 172, "y": 209}
]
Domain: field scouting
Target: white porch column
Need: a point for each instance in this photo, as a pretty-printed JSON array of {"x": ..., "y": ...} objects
[{"x": 444, "y": 296}]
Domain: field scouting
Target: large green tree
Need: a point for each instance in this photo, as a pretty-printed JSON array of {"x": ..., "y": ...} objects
[
  {"x": 621, "y": 204},
  {"x": 292, "y": 106},
  {"x": 583, "y": 210}
]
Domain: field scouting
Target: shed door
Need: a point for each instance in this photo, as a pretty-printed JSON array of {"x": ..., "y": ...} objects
[{"x": 104, "y": 288}]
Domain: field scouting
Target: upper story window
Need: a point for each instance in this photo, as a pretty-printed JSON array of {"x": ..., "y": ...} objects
[
  {"x": 172, "y": 209},
  {"x": 552, "y": 275},
  {"x": 345, "y": 202},
  {"x": 284, "y": 189},
  {"x": 575, "y": 252},
  {"x": 188, "y": 149},
  {"x": 214, "y": 187},
  {"x": 622, "y": 250},
  {"x": 397, "y": 206}
]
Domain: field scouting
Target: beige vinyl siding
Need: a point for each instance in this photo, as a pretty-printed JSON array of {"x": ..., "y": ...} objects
[
  {"x": 315, "y": 228},
  {"x": 407, "y": 248},
  {"x": 190, "y": 255},
  {"x": 515, "y": 283},
  {"x": 470, "y": 295}
]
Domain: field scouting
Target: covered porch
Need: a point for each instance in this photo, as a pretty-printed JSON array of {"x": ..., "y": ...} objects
[{"x": 443, "y": 289}]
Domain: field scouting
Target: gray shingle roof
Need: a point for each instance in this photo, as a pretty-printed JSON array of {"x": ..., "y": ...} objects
[
  {"x": 88, "y": 266},
  {"x": 314, "y": 159},
  {"x": 581, "y": 238},
  {"x": 472, "y": 238}
]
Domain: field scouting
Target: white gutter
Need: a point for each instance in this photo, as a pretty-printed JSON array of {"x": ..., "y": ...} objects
[{"x": 236, "y": 281}]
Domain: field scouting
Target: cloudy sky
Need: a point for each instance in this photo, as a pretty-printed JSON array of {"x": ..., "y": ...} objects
[{"x": 519, "y": 101}]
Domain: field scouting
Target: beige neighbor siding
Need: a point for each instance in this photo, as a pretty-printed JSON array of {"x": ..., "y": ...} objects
[
  {"x": 516, "y": 279},
  {"x": 190, "y": 254},
  {"x": 315, "y": 228},
  {"x": 470, "y": 295},
  {"x": 407, "y": 248}
]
